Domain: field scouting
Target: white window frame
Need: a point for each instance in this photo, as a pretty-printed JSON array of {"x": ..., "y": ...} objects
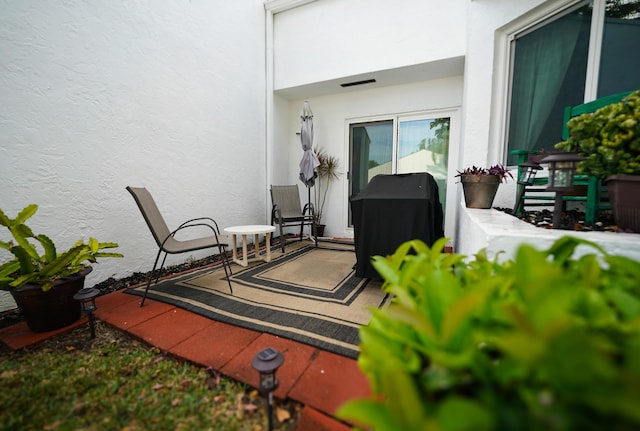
[{"x": 503, "y": 58}]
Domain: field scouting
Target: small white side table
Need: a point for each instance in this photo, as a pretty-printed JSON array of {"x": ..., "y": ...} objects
[{"x": 255, "y": 230}]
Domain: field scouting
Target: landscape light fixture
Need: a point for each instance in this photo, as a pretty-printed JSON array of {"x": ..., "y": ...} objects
[
  {"x": 267, "y": 362},
  {"x": 526, "y": 175},
  {"x": 87, "y": 297},
  {"x": 562, "y": 168}
]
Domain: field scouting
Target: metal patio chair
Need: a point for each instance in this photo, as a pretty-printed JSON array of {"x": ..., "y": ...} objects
[
  {"x": 168, "y": 244},
  {"x": 287, "y": 211}
]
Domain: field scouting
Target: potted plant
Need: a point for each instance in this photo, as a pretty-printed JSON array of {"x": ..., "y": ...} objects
[
  {"x": 327, "y": 173},
  {"x": 43, "y": 282},
  {"x": 548, "y": 340},
  {"x": 481, "y": 184},
  {"x": 609, "y": 139}
]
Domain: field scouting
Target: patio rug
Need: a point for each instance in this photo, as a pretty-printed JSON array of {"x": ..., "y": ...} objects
[{"x": 310, "y": 295}]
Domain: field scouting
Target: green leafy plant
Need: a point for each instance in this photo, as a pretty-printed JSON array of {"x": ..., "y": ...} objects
[
  {"x": 327, "y": 173},
  {"x": 609, "y": 138},
  {"x": 29, "y": 266},
  {"x": 498, "y": 170},
  {"x": 543, "y": 341}
]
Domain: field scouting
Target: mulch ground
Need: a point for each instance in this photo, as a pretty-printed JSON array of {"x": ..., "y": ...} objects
[{"x": 569, "y": 220}]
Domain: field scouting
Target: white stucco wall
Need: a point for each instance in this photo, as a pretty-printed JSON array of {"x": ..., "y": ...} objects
[
  {"x": 96, "y": 96},
  {"x": 501, "y": 235},
  {"x": 486, "y": 82},
  {"x": 329, "y": 39}
]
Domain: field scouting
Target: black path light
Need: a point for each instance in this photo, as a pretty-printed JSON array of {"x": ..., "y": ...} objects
[
  {"x": 526, "y": 175},
  {"x": 562, "y": 168},
  {"x": 87, "y": 297},
  {"x": 267, "y": 362}
]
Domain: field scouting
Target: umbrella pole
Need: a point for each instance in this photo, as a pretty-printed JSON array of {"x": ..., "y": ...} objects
[{"x": 313, "y": 222}]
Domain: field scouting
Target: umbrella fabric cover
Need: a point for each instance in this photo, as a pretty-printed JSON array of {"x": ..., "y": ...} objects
[{"x": 309, "y": 162}]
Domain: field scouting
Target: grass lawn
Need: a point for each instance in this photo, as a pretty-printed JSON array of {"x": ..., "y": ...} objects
[{"x": 114, "y": 382}]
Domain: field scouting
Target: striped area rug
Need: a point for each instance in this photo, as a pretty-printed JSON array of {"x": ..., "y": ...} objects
[{"x": 310, "y": 295}]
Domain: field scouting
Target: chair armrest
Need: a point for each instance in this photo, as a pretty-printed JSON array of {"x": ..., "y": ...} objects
[
  {"x": 276, "y": 214},
  {"x": 196, "y": 222}
]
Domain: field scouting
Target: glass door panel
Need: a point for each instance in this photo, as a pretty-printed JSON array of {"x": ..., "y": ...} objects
[
  {"x": 423, "y": 146},
  {"x": 399, "y": 145},
  {"x": 371, "y": 153}
]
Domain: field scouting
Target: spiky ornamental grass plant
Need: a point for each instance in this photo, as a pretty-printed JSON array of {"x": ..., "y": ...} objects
[
  {"x": 30, "y": 267},
  {"x": 546, "y": 341},
  {"x": 327, "y": 172}
]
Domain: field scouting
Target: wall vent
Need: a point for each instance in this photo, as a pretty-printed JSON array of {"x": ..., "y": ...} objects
[{"x": 351, "y": 84}]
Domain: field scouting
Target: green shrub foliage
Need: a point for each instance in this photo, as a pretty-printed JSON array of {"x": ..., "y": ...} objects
[
  {"x": 547, "y": 341},
  {"x": 609, "y": 138}
]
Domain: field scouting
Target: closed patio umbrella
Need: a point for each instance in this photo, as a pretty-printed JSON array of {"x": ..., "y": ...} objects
[{"x": 309, "y": 162}]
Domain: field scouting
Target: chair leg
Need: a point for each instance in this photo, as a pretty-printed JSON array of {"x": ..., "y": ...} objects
[
  {"x": 161, "y": 267},
  {"x": 146, "y": 289},
  {"x": 314, "y": 233},
  {"x": 283, "y": 241},
  {"x": 226, "y": 266}
]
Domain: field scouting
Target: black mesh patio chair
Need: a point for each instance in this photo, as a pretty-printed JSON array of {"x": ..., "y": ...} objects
[
  {"x": 287, "y": 211},
  {"x": 166, "y": 241}
]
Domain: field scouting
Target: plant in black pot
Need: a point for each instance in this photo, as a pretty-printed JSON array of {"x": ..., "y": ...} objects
[
  {"x": 327, "y": 173},
  {"x": 41, "y": 280},
  {"x": 481, "y": 184},
  {"x": 609, "y": 139}
]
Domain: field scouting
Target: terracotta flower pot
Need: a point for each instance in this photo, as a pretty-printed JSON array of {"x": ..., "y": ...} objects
[{"x": 479, "y": 190}]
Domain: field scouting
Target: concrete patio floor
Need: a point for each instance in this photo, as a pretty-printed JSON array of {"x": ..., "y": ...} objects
[{"x": 320, "y": 380}]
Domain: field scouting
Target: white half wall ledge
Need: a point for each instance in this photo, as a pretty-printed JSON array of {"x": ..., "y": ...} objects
[{"x": 500, "y": 232}]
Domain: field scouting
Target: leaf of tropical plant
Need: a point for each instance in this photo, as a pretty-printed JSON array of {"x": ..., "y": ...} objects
[
  {"x": 462, "y": 414},
  {"x": 626, "y": 266},
  {"x": 25, "y": 214},
  {"x": 9, "y": 268},
  {"x": 457, "y": 324},
  {"x": 61, "y": 261},
  {"x": 48, "y": 246},
  {"x": 4, "y": 220},
  {"x": 564, "y": 247},
  {"x": 385, "y": 268},
  {"x": 23, "y": 279},
  {"x": 368, "y": 412},
  {"x": 418, "y": 321},
  {"x": 403, "y": 397},
  {"x": 593, "y": 306},
  {"x": 26, "y": 264},
  {"x": 21, "y": 234},
  {"x": 436, "y": 248},
  {"x": 103, "y": 254},
  {"x": 626, "y": 303},
  {"x": 103, "y": 245},
  {"x": 93, "y": 245}
]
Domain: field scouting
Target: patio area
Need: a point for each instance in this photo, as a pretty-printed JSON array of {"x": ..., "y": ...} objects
[{"x": 320, "y": 380}]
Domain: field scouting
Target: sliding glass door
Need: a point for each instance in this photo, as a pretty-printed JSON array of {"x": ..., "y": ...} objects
[{"x": 399, "y": 145}]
